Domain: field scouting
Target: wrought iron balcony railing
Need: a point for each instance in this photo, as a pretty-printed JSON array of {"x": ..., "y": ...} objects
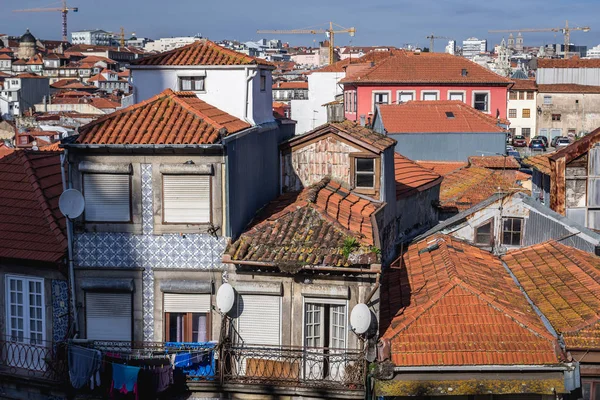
[{"x": 42, "y": 360}]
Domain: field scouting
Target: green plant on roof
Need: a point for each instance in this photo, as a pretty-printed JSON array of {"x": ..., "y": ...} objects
[
  {"x": 375, "y": 250},
  {"x": 350, "y": 244}
]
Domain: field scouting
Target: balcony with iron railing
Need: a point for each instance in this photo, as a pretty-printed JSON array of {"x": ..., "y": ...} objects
[{"x": 42, "y": 361}]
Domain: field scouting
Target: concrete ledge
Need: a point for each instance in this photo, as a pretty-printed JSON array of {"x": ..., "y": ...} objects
[
  {"x": 183, "y": 286},
  {"x": 107, "y": 285}
]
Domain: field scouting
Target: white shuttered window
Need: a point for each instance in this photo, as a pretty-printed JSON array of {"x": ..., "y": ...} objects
[
  {"x": 107, "y": 197},
  {"x": 259, "y": 320},
  {"x": 183, "y": 303},
  {"x": 108, "y": 316},
  {"x": 186, "y": 199}
]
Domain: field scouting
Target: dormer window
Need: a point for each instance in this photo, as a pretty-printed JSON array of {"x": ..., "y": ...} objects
[
  {"x": 191, "y": 83},
  {"x": 364, "y": 175}
]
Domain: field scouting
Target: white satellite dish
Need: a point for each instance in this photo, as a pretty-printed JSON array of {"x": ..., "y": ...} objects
[
  {"x": 71, "y": 203},
  {"x": 225, "y": 298},
  {"x": 360, "y": 318}
]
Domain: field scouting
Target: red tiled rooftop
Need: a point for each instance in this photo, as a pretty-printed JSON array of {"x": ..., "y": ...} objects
[
  {"x": 540, "y": 162},
  {"x": 31, "y": 226},
  {"x": 290, "y": 85},
  {"x": 564, "y": 283},
  {"x": 410, "y": 67},
  {"x": 431, "y": 116},
  {"x": 448, "y": 303},
  {"x": 167, "y": 118},
  {"x": 411, "y": 177},
  {"x": 442, "y": 167},
  {"x": 5, "y": 150},
  {"x": 373, "y": 56},
  {"x": 524, "y": 84},
  {"x": 568, "y": 88},
  {"x": 201, "y": 52},
  {"x": 494, "y": 162},
  {"x": 310, "y": 228},
  {"x": 573, "y": 62}
]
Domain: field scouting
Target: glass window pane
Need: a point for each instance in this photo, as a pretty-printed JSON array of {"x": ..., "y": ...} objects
[
  {"x": 186, "y": 84},
  {"x": 365, "y": 181},
  {"x": 586, "y": 388},
  {"x": 199, "y": 327},
  {"x": 365, "y": 165}
]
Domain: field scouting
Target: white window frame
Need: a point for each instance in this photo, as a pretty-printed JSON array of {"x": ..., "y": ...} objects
[
  {"x": 356, "y": 173},
  {"x": 463, "y": 93},
  {"x": 193, "y": 79},
  {"x": 376, "y": 92},
  {"x": 26, "y": 307},
  {"x": 163, "y": 200},
  {"x": 489, "y": 100},
  {"x": 328, "y": 301},
  {"x": 413, "y": 93},
  {"x": 117, "y": 221},
  {"x": 547, "y": 100},
  {"x": 424, "y": 92}
]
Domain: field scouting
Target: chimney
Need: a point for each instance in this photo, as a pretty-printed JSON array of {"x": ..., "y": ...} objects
[{"x": 362, "y": 120}]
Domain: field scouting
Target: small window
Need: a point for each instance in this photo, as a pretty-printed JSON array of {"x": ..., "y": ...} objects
[
  {"x": 555, "y": 117},
  {"x": 530, "y": 96},
  {"x": 457, "y": 96},
  {"x": 186, "y": 327},
  {"x": 107, "y": 197},
  {"x": 191, "y": 83},
  {"x": 430, "y": 96},
  {"x": 186, "y": 199},
  {"x": 403, "y": 97},
  {"x": 521, "y": 95},
  {"x": 512, "y": 95},
  {"x": 263, "y": 82},
  {"x": 380, "y": 98},
  {"x": 512, "y": 229},
  {"x": 526, "y": 132},
  {"x": 364, "y": 173},
  {"x": 512, "y": 113},
  {"x": 449, "y": 115},
  {"x": 481, "y": 102},
  {"x": 484, "y": 234},
  {"x": 526, "y": 113},
  {"x": 547, "y": 99}
]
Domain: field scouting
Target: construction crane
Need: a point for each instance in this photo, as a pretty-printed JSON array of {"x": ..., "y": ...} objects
[
  {"x": 566, "y": 31},
  {"x": 331, "y": 32},
  {"x": 432, "y": 38},
  {"x": 64, "y": 10}
]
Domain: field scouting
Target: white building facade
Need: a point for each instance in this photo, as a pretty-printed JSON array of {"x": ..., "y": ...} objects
[
  {"x": 473, "y": 47},
  {"x": 93, "y": 37},
  {"x": 166, "y": 44},
  {"x": 522, "y": 108}
]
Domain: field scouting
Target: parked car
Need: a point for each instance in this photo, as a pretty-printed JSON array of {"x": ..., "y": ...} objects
[
  {"x": 519, "y": 141},
  {"x": 542, "y": 138},
  {"x": 553, "y": 141},
  {"x": 537, "y": 145},
  {"x": 508, "y": 138},
  {"x": 562, "y": 142}
]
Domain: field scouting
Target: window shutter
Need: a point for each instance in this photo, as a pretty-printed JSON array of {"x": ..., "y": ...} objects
[
  {"x": 259, "y": 320},
  {"x": 184, "y": 303},
  {"x": 186, "y": 198},
  {"x": 108, "y": 316},
  {"x": 106, "y": 197}
]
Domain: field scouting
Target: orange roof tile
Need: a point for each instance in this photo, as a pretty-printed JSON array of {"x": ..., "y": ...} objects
[
  {"x": 310, "y": 228},
  {"x": 564, "y": 283},
  {"x": 201, "y": 52},
  {"x": 167, "y": 118},
  {"x": 411, "y": 177},
  {"x": 573, "y": 62},
  {"x": 63, "y": 82},
  {"x": 448, "y": 303},
  {"x": 524, "y": 84},
  {"x": 291, "y": 85},
  {"x": 102, "y": 103},
  {"x": 432, "y": 116},
  {"x": 409, "y": 67},
  {"x": 540, "y": 162},
  {"x": 568, "y": 88},
  {"x": 442, "y": 167},
  {"x": 373, "y": 56},
  {"x": 5, "y": 150},
  {"x": 494, "y": 162},
  {"x": 466, "y": 187},
  {"x": 95, "y": 59},
  {"x": 31, "y": 226}
]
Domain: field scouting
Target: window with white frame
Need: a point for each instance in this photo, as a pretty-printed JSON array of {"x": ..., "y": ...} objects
[
  {"x": 460, "y": 96},
  {"x": 429, "y": 96},
  {"x": 325, "y": 323},
  {"x": 364, "y": 173},
  {"x": 547, "y": 99},
  {"x": 107, "y": 197},
  {"x": 186, "y": 199},
  {"x": 481, "y": 101},
  {"x": 191, "y": 83},
  {"x": 403, "y": 97},
  {"x": 380, "y": 98},
  {"x": 25, "y": 319}
]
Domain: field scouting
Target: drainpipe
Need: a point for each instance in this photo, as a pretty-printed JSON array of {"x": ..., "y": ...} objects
[
  {"x": 63, "y": 158},
  {"x": 247, "y": 94}
]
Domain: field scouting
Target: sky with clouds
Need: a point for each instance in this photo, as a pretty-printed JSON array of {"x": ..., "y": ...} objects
[{"x": 378, "y": 22}]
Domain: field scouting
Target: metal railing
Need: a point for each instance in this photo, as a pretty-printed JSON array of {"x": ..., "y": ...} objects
[
  {"x": 43, "y": 360},
  {"x": 317, "y": 368}
]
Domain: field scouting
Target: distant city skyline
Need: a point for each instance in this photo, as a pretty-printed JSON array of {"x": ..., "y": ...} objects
[{"x": 378, "y": 22}]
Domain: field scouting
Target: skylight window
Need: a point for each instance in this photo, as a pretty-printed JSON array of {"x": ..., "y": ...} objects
[{"x": 449, "y": 114}]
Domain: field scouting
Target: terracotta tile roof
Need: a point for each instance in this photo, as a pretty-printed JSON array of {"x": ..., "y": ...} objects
[
  {"x": 290, "y": 85},
  {"x": 103, "y": 103},
  {"x": 63, "y": 82},
  {"x": 201, "y": 52},
  {"x": 373, "y": 56},
  {"x": 573, "y": 62},
  {"x": 524, "y": 84},
  {"x": 411, "y": 177},
  {"x": 568, "y": 88},
  {"x": 442, "y": 167},
  {"x": 311, "y": 228},
  {"x": 466, "y": 187},
  {"x": 5, "y": 57},
  {"x": 35, "y": 60},
  {"x": 31, "y": 226},
  {"x": 76, "y": 85},
  {"x": 97, "y": 78},
  {"x": 494, "y": 162},
  {"x": 409, "y": 67},
  {"x": 363, "y": 134},
  {"x": 564, "y": 283},
  {"x": 167, "y": 118},
  {"x": 20, "y": 62},
  {"x": 51, "y": 147},
  {"x": 446, "y": 302},
  {"x": 540, "y": 162},
  {"x": 5, "y": 150},
  {"x": 432, "y": 116},
  {"x": 29, "y": 75},
  {"x": 95, "y": 59}
]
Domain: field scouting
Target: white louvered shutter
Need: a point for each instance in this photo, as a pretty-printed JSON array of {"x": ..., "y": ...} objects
[
  {"x": 186, "y": 198},
  {"x": 259, "y": 319},
  {"x": 108, "y": 316},
  {"x": 184, "y": 303},
  {"x": 106, "y": 197}
]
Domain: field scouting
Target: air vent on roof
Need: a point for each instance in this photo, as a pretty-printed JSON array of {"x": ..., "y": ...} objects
[
  {"x": 464, "y": 72},
  {"x": 449, "y": 114}
]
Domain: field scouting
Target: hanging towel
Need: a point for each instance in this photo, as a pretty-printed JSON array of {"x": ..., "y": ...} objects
[
  {"x": 125, "y": 378},
  {"x": 83, "y": 365}
]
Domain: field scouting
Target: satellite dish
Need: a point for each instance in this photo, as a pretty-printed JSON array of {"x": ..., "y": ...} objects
[
  {"x": 360, "y": 318},
  {"x": 225, "y": 298},
  {"x": 71, "y": 203}
]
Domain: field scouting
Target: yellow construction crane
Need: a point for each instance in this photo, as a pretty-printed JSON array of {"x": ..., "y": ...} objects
[
  {"x": 432, "y": 38},
  {"x": 64, "y": 10},
  {"x": 329, "y": 32},
  {"x": 566, "y": 30}
]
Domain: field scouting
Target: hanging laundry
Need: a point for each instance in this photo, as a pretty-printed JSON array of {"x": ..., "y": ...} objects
[
  {"x": 125, "y": 379},
  {"x": 84, "y": 364},
  {"x": 152, "y": 381},
  {"x": 183, "y": 360}
]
